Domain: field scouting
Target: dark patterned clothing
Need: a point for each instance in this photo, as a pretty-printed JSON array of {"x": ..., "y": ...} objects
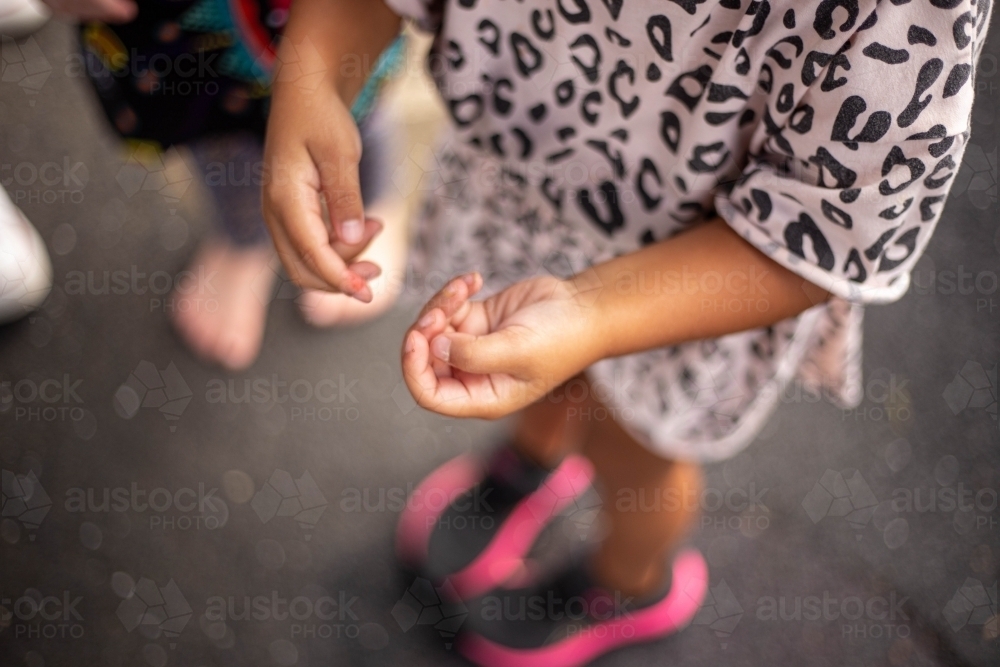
[
  {"x": 825, "y": 133},
  {"x": 199, "y": 72}
]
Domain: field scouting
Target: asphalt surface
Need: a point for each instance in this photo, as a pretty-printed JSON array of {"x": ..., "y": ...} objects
[{"x": 870, "y": 537}]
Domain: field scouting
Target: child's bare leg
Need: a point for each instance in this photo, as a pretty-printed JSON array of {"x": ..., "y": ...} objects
[
  {"x": 544, "y": 431},
  {"x": 632, "y": 558},
  {"x": 645, "y": 504}
]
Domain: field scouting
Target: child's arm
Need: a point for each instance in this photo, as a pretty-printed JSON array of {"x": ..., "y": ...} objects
[
  {"x": 705, "y": 283},
  {"x": 490, "y": 358},
  {"x": 313, "y": 147}
]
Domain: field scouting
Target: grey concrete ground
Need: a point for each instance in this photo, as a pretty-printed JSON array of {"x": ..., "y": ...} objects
[{"x": 797, "y": 576}]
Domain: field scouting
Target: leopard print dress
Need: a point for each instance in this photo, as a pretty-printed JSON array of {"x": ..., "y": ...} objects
[{"x": 826, "y": 133}]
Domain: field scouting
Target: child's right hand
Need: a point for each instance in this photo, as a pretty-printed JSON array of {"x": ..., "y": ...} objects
[
  {"x": 313, "y": 146},
  {"x": 311, "y": 155}
]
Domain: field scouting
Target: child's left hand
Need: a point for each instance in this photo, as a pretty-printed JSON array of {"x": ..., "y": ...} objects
[{"x": 490, "y": 358}]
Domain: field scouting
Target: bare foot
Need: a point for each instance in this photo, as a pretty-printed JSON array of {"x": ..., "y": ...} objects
[
  {"x": 388, "y": 250},
  {"x": 220, "y": 307}
]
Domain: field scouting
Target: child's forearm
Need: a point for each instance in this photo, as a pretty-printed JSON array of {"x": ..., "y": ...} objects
[
  {"x": 340, "y": 39},
  {"x": 704, "y": 283}
]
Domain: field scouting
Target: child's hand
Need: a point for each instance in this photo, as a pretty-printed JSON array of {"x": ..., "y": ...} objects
[
  {"x": 490, "y": 358},
  {"x": 312, "y": 153}
]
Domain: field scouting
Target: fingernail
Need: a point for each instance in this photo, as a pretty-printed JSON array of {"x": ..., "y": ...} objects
[
  {"x": 426, "y": 320},
  {"x": 410, "y": 345},
  {"x": 441, "y": 348},
  {"x": 364, "y": 295},
  {"x": 470, "y": 279},
  {"x": 352, "y": 231}
]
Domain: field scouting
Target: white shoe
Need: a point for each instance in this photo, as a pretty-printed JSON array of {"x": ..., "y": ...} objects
[
  {"x": 25, "y": 268},
  {"x": 20, "y": 18}
]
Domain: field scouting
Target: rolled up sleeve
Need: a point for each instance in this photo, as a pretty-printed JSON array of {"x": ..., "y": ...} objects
[{"x": 847, "y": 188}]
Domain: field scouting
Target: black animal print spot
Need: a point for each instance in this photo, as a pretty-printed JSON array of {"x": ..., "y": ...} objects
[
  {"x": 565, "y": 91},
  {"x": 850, "y": 196},
  {"x": 885, "y": 54},
  {"x": 786, "y": 98},
  {"x": 775, "y": 131},
  {"x": 926, "y": 212},
  {"x": 615, "y": 219},
  {"x": 823, "y": 23},
  {"x": 812, "y": 60},
  {"x": 658, "y": 30},
  {"x": 937, "y": 132},
  {"x": 614, "y": 7},
  {"x": 545, "y": 34},
  {"x": 928, "y": 74},
  {"x": 623, "y": 69},
  {"x": 873, "y": 251},
  {"x": 730, "y": 4},
  {"x": 538, "y": 112},
  {"x": 854, "y": 260},
  {"x": 805, "y": 227},
  {"x": 836, "y": 215},
  {"x": 840, "y": 60},
  {"x": 527, "y": 58},
  {"x": 897, "y": 158},
  {"x": 760, "y": 9},
  {"x": 719, "y": 92},
  {"x": 869, "y": 22},
  {"x": 957, "y": 77},
  {"x": 766, "y": 79},
  {"x": 775, "y": 52},
  {"x": 946, "y": 4},
  {"x": 788, "y": 20},
  {"x": 876, "y": 127},
  {"x": 918, "y": 35},
  {"x": 617, "y": 37},
  {"x": 697, "y": 78},
  {"x": 717, "y": 118},
  {"x": 742, "y": 65},
  {"x": 801, "y": 119},
  {"x": 502, "y": 105},
  {"x": 670, "y": 130},
  {"x": 592, "y": 70},
  {"x": 707, "y": 159},
  {"x": 843, "y": 176},
  {"x": 454, "y": 55},
  {"x": 590, "y": 99},
  {"x": 526, "y": 144},
  {"x": 962, "y": 38},
  {"x": 892, "y": 212},
  {"x": 747, "y": 117},
  {"x": 649, "y": 201},
  {"x": 581, "y": 15},
  {"x": 466, "y": 110},
  {"x": 690, "y": 6},
  {"x": 491, "y": 40},
  {"x": 933, "y": 183},
  {"x": 653, "y": 72},
  {"x": 763, "y": 202},
  {"x": 907, "y": 241}
]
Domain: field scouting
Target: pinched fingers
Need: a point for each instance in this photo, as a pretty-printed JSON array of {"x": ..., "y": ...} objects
[{"x": 303, "y": 243}]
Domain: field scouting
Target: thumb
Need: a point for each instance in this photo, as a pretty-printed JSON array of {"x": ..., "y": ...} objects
[
  {"x": 342, "y": 190},
  {"x": 498, "y": 352}
]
